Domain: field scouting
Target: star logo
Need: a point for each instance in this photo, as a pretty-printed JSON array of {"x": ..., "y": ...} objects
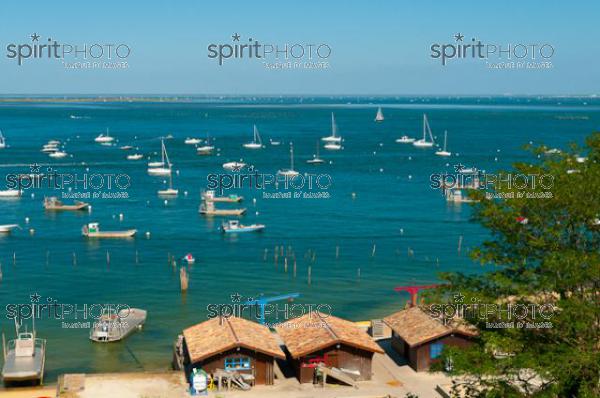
[
  {"x": 459, "y": 37},
  {"x": 236, "y": 297},
  {"x": 35, "y": 37},
  {"x": 237, "y": 168},
  {"x": 459, "y": 167},
  {"x": 35, "y": 297},
  {"x": 459, "y": 298},
  {"x": 35, "y": 168},
  {"x": 235, "y": 37}
]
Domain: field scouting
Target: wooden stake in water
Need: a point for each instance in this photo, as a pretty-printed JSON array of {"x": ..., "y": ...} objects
[
  {"x": 265, "y": 255},
  {"x": 294, "y": 268},
  {"x": 74, "y": 259},
  {"x": 285, "y": 264},
  {"x": 107, "y": 258},
  {"x": 460, "y": 238},
  {"x": 47, "y": 257},
  {"x": 373, "y": 251},
  {"x": 137, "y": 257},
  {"x": 358, "y": 274},
  {"x": 337, "y": 252},
  {"x": 183, "y": 279},
  {"x": 309, "y": 274}
]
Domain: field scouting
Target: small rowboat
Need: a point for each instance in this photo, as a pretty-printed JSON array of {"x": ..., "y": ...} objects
[
  {"x": 92, "y": 230},
  {"x": 234, "y": 226},
  {"x": 52, "y": 203},
  {"x": 188, "y": 258},
  {"x": 114, "y": 327}
]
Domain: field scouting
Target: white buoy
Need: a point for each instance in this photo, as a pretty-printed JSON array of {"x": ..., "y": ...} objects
[
  {"x": 257, "y": 213},
  {"x": 26, "y": 220},
  {"x": 121, "y": 216},
  {"x": 410, "y": 158},
  {"x": 353, "y": 195},
  {"x": 166, "y": 202},
  {"x": 254, "y": 201},
  {"x": 148, "y": 234},
  {"x": 185, "y": 193},
  {"x": 401, "y": 231},
  {"x": 177, "y": 172},
  {"x": 89, "y": 208},
  {"x": 410, "y": 177},
  {"x": 381, "y": 170},
  {"x": 495, "y": 159},
  {"x": 32, "y": 195},
  {"x": 31, "y": 231}
]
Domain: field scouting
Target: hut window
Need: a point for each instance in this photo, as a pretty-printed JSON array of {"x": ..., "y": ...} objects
[
  {"x": 237, "y": 363},
  {"x": 435, "y": 350}
]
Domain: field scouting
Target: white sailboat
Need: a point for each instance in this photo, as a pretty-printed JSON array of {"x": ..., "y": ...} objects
[
  {"x": 405, "y": 140},
  {"x": 423, "y": 143},
  {"x": 444, "y": 152},
  {"x": 234, "y": 166},
  {"x": 58, "y": 154},
  {"x": 379, "y": 117},
  {"x": 104, "y": 138},
  {"x": 333, "y": 137},
  {"x": 192, "y": 141},
  {"x": 206, "y": 149},
  {"x": 169, "y": 191},
  {"x": 2, "y": 141},
  {"x": 289, "y": 172},
  {"x": 256, "y": 141},
  {"x": 316, "y": 159},
  {"x": 135, "y": 156},
  {"x": 161, "y": 170}
]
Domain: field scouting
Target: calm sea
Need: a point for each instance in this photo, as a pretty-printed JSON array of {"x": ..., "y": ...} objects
[{"x": 380, "y": 207}]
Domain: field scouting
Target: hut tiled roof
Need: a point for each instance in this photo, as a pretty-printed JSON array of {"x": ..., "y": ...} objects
[
  {"x": 416, "y": 326},
  {"x": 221, "y": 334},
  {"x": 314, "y": 331}
]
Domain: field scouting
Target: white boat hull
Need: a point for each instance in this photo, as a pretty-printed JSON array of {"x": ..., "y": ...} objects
[
  {"x": 159, "y": 171},
  {"x": 252, "y": 145},
  {"x": 10, "y": 193},
  {"x": 331, "y": 139},
  {"x": 423, "y": 144},
  {"x": 333, "y": 147}
]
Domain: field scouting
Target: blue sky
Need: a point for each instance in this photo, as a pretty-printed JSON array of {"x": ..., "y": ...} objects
[{"x": 378, "y": 47}]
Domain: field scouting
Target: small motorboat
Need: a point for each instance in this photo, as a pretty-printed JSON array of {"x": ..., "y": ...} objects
[
  {"x": 234, "y": 226},
  {"x": 332, "y": 146},
  {"x": 405, "y": 140},
  {"x": 2, "y": 141},
  {"x": 208, "y": 209},
  {"x": 135, "y": 156},
  {"x": 192, "y": 141},
  {"x": 234, "y": 166},
  {"x": 54, "y": 142},
  {"x": 210, "y": 196},
  {"x": 104, "y": 138},
  {"x": 24, "y": 358},
  {"x": 205, "y": 150},
  {"x": 111, "y": 327},
  {"x": 50, "y": 148},
  {"x": 58, "y": 155},
  {"x": 274, "y": 142},
  {"x": 54, "y": 204},
  {"x": 256, "y": 141},
  {"x": 126, "y": 147},
  {"x": 189, "y": 258},
  {"x": 168, "y": 192},
  {"x": 7, "y": 228},
  {"x": 11, "y": 193},
  {"x": 92, "y": 230}
]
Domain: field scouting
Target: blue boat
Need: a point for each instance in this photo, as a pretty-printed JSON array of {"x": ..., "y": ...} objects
[{"x": 234, "y": 226}]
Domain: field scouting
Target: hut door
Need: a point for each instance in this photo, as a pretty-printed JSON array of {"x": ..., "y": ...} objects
[{"x": 331, "y": 359}]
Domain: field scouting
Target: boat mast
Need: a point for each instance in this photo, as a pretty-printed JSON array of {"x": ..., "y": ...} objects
[
  {"x": 424, "y": 124},
  {"x": 333, "y": 129},
  {"x": 291, "y": 156},
  {"x": 445, "y": 138}
]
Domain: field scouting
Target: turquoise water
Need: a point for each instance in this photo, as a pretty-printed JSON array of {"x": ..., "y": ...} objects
[{"x": 393, "y": 208}]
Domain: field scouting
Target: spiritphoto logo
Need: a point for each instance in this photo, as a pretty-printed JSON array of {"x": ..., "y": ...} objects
[
  {"x": 498, "y": 185},
  {"x": 497, "y": 315},
  {"x": 73, "y": 185},
  {"x": 51, "y": 308},
  {"x": 496, "y": 56},
  {"x": 72, "y": 56},
  {"x": 268, "y": 313},
  {"x": 272, "y": 185},
  {"x": 272, "y": 56}
]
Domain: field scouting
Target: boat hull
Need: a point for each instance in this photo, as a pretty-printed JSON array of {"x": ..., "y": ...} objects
[
  {"x": 30, "y": 368},
  {"x": 223, "y": 212},
  {"x": 75, "y": 207},
  {"x": 111, "y": 234},
  {"x": 248, "y": 228},
  {"x": 131, "y": 320}
]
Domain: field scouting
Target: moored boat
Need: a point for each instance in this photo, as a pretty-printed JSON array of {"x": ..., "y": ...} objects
[
  {"x": 24, "y": 358},
  {"x": 7, "y": 228},
  {"x": 111, "y": 327},
  {"x": 207, "y": 208},
  {"x": 423, "y": 142},
  {"x": 316, "y": 159},
  {"x": 92, "y": 230},
  {"x": 210, "y": 196},
  {"x": 234, "y": 226},
  {"x": 405, "y": 140},
  {"x": 54, "y": 204},
  {"x": 234, "y": 166},
  {"x": 58, "y": 154},
  {"x": 159, "y": 169},
  {"x": 192, "y": 141},
  {"x": 2, "y": 141},
  {"x": 289, "y": 172},
  {"x": 11, "y": 193},
  {"x": 333, "y": 138},
  {"x": 256, "y": 141},
  {"x": 104, "y": 138},
  {"x": 444, "y": 152},
  {"x": 379, "y": 117},
  {"x": 135, "y": 156}
]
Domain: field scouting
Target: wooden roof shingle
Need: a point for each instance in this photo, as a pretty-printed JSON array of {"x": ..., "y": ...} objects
[
  {"x": 313, "y": 332},
  {"x": 221, "y": 334}
]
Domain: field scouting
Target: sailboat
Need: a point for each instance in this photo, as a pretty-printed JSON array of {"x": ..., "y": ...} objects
[
  {"x": 256, "y": 141},
  {"x": 333, "y": 137},
  {"x": 2, "y": 141},
  {"x": 316, "y": 159},
  {"x": 405, "y": 140},
  {"x": 234, "y": 166},
  {"x": 192, "y": 141},
  {"x": 169, "y": 191},
  {"x": 205, "y": 149},
  {"x": 444, "y": 152},
  {"x": 379, "y": 117},
  {"x": 159, "y": 169},
  {"x": 423, "y": 143},
  {"x": 289, "y": 172},
  {"x": 104, "y": 138}
]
